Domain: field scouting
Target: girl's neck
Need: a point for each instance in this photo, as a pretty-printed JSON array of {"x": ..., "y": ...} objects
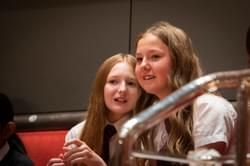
[{"x": 116, "y": 118}]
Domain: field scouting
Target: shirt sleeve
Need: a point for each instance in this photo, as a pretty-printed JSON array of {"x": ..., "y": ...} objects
[
  {"x": 75, "y": 131},
  {"x": 214, "y": 120}
]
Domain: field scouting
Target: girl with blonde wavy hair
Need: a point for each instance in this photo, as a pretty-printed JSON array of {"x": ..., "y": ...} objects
[{"x": 166, "y": 61}]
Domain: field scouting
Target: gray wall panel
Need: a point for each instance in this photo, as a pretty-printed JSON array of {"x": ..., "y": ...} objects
[{"x": 50, "y": 52}]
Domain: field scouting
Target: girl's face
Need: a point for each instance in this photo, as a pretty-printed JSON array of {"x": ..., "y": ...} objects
[
  {"x": 121, "y": 91},
  {"x": 153, "y": 65}
]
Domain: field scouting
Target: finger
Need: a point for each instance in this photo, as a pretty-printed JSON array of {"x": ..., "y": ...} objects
[
  {"x": 76, "y": 142},
  {"x": 90, "y": 158},
  {"x": 60, "y": 156},
  {"x": 82, "y": 149},
  {"x": 55, "y": 162},
  {"x": 83, "y": 154},
  {"x": 80, "y": 160}
]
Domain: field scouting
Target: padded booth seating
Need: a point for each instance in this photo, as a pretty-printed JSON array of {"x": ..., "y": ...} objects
[
  {"x": 43, "y": 134},
  {"x": 42, "y": 145}
]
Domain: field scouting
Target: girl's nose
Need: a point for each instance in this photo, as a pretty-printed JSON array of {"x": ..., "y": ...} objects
[
  {"x": 122, "y": 87},
  {"x": 145, "y": 64}
]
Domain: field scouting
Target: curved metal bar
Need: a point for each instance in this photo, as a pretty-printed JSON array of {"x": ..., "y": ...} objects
[
  {"x": 242, "y": 126},
  {"x": 160, "y": 111},
  {"x": 226, "y": 159}
]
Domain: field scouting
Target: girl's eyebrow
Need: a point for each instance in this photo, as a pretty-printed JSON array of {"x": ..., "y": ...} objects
[
  {"x": 138, "y": 54},
  {"x": 117, "y": 76},
  {"x": 132, "y": 79},
  {"x": 152, "y": 51}
]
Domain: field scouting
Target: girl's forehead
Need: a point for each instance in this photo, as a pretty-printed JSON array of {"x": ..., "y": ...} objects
[{"x": 121, "y": 68}]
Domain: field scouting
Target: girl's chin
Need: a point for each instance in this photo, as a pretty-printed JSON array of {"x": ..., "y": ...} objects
[{"x": 150, "y": 91}]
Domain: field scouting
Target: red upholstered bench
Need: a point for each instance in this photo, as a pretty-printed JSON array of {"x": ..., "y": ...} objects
[
  {"x": 43, "y": 145},
  {"x": 43, "y": 134}
]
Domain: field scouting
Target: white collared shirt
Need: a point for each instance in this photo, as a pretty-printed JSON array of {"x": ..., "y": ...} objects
[
  {"x": 75, "y": 132},
  {"x": 214, "y": 120},
  {"x": 114, "y": 139},
  {"x": 4, "y": 150}
]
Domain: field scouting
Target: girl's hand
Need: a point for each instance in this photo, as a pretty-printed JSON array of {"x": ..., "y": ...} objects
[
  {"x": 56, "y": 161},
  {"x": 77, "y": 152}
]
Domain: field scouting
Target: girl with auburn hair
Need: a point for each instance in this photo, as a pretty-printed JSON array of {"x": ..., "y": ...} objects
[
  {"x": 166, "y": 61},
  {"x": 112, "y": 101}
]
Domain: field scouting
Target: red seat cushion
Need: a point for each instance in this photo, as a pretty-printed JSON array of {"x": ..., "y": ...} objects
[{"x": 43, "y": 145}]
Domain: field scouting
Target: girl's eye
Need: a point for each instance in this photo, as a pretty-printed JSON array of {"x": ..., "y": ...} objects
[
  {"x": 155, "y": 57},
  {"x": 131, "y": 83},
  {"x": 138, "y": 59},
  {"x": 113, "y": 81}
]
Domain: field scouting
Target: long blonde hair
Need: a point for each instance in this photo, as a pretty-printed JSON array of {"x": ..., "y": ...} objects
[
  {"x": 92, "y": 133},
  {"x": 185, "y": 68}
]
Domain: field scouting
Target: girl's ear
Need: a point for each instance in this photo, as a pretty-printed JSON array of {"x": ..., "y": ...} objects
[{"x": 12, "y": 126}]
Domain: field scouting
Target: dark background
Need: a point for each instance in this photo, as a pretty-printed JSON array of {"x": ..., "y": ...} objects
[{"x": 51, "y": 49}]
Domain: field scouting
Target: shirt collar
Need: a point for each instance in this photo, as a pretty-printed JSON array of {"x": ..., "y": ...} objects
[
  {"x": 118, "y": 124},
  {"x": 4, "y": 150}
]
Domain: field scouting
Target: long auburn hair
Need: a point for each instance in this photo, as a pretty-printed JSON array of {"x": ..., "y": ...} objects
[
  {"x": 185, "y": 68},
  {"x": 97, "y": 110}
]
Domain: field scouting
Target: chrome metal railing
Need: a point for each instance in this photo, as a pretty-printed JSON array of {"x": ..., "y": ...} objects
[{"x": 131, "y": 130}]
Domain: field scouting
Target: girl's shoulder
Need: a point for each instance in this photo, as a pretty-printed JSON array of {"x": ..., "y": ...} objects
[
  {"x": 214, "y": 104},
  {"x": 75, "y": 131},
  {"x": 213, "y": 100}
]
